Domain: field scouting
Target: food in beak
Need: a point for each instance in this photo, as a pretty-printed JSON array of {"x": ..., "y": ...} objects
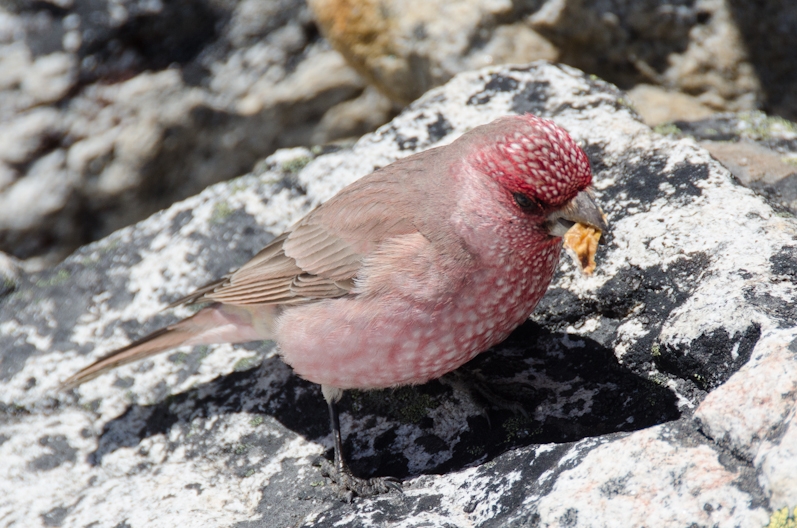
[{"x": 582, "y": 242}]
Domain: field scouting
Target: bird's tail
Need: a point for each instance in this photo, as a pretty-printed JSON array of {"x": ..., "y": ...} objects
[{"x": 217, "y": 323}]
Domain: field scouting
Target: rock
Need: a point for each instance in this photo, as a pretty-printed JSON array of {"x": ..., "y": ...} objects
[
  {"x": 10, "y": 270},
  {"x": 752, "y": 164},
  {"x": 759, "y": 150},
  {"x": 769, "y": 31},
  {"x": 660, "y": 391},
  {"x": 406, "y": 48},
  {"x": 149, "y": 103},
  {"x": 354, "y": 117},
  {"x": 657, "y": 105},
  {"x": 712, "y": 55},
  {"x": 693, "y": 47},
  {"x": 28, "y": 134}
]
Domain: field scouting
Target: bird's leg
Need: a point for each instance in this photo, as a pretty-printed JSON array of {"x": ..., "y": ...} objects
[
  {"x": 334, "y": 424},
  {"x": 339, "y": 471}
]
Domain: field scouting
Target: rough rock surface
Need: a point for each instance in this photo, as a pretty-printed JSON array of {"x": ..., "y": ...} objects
[
  {"x": 658, "y": 392},
  {"x": 113, "y": 109},
  {"x": 657, "y": 105},
  {"x": 709, "y": 55},
  {"x": 406, "y": 47},
  {"x": 769, "y": 31},
  {"x": 759, "y": 150},
  {"x": 694, "y": 46}
]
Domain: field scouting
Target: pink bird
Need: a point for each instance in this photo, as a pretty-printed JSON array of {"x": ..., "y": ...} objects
[{"x": 405, "y": 274}]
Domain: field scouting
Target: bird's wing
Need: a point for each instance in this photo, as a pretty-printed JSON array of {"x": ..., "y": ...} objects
[{"x": 320, "y": 256}]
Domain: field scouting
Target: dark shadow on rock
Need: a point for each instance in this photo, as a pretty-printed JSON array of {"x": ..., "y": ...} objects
[
  {"x": 567, "y": 388},
  {"x": 537, "y": 387},
  {"x": 710, "y": 359},
  {"x": 636, "y": 37},
  {"x": 769, "y": 30}
]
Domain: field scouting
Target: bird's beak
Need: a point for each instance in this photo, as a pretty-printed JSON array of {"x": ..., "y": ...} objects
[{"x": 581, "y": 209}]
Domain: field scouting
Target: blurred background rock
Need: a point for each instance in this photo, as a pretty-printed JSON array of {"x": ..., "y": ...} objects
[{"x": 113, "y": 109}]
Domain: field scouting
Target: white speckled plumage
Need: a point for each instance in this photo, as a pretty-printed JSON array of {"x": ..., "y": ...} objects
[
  {"x": 432, "y": 303},
  {"x": 405, "y": 274}
]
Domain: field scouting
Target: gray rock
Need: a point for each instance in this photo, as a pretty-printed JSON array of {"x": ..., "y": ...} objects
[
  {"x": 694, "y": 47},
  {"x": 704, "y": 55},
  {"x": 658, "y": 106},
  {"x": 759, "y": 150},
  {"x": 769, "y": 31},
  {"x": 660, "y": 391},
  {"x": 149, "y": 102},
  {"x": 406, "y": 47}
]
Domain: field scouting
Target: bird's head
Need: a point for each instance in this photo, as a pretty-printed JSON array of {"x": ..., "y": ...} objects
[{"x": 541, "y": 172}]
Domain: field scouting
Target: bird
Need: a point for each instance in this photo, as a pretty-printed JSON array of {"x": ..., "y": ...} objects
[{"x": 405, "y": 274}]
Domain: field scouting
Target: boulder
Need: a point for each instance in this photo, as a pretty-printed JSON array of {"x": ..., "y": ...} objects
[
  {"x": 692, "y": 58},
  {"x": 112, "y": 110},
  {"x": 692, "y": 47},
  {"x": 407, "y": 47},
  {"x": 759, "y": 150},
  {"x": 660, "y": 391}
]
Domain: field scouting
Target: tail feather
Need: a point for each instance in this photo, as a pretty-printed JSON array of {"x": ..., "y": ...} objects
[
  {"x": 156, "y": 342},
  {"x": 217, "y": 323}
]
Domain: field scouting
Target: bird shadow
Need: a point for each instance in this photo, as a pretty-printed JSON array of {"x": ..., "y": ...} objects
[{"x": 537, "y": 387}]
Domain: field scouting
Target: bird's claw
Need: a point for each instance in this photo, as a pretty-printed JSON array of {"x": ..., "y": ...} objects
[
  {"x": 350, "y": 486},
  {"x": 393, "y": 484}
]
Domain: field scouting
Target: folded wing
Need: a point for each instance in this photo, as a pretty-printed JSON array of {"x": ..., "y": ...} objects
[{"x": 321, "y": 255}]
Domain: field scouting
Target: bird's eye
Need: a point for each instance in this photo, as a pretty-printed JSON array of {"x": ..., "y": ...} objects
[{"x": 524, "y": 202}]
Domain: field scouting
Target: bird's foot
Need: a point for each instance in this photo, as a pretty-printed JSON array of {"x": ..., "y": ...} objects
[{"x": 350, "y": 486}]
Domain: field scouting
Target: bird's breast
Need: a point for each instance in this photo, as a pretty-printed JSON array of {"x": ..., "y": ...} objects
[{"x": 382, "y": 339}]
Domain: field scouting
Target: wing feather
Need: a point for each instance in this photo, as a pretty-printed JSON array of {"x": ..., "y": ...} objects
[{"x": 320, "y": 256}]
